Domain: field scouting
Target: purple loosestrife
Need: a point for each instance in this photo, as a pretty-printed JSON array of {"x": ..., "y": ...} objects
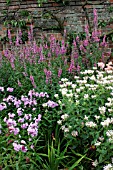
[
  {"x": 9, "y": 36},
  {"x": 20, "y": 36},
  {"x": 85, "y": 43},
  {"x": 17, "y": 40},
  {"x": 103, "y": 43},
  {"x": 72, "y": 66},
  {"x": 32, "y": 81},
  {"x": 35, "y": 48},
  {"x": 30, "y": 34},
  {"x": 59, "y": 72},
  {"x": 82, "y": 49},
  {"x": 0, "y": 59},
  {"x": 74, "y": 53},
  {"x": 41, "y": 59},
  {"x": 95, "y": 18},
  {"x": 57, "y": 50},
  {"x": 87, "y": 32},
  {"x": 48, "y": 74},
  {"x": 52, "y": 43},
  {"x": 77, "y": 39},
  {"x": 95, "y": 36}
]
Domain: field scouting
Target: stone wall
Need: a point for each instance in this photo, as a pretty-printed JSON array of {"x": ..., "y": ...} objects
[{"x": 71, "y": 17}]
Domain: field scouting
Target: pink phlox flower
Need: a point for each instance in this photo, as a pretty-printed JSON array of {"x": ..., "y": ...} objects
[
  {"x": 17, "y": 147},
  {"x": 23, "y": 148},
  {"x": 20, "y": 111},
  {"x": 42, "y": 94},
  {"x": 9, "y": 89},
  {"x": 2, "y": 89},
  {"x": 11, "y": 122},
  {"x": 19, "y": 84},
  {"x": 17, "y": 103},
  {"x": 32, "y": 146},
  {"x": 27, "y": 116},
  {"x": 24, "y": 125},
  {"x": 52, "y": 104},
  {"x": 32, "y": 131},
  {"x": 2, "y": 106},
  {"x": 9, "y": 98},
  {"x": 11, "y": 115},
  {"x": 16, "y": 131},
  {"x": 21, "y": 120},
  {"x": 39, "y": 118}
]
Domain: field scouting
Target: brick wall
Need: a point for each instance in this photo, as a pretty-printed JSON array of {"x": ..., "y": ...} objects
[{"x": 72, "y": 16}]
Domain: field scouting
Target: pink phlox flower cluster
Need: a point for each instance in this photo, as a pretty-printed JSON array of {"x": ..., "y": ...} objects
[
  {"x": 20, "y": 111},
  {"x": 11, "y": 115},
  {"x": 9, "y": 89},
  {"x": 17, "y": 103},
  {"x": 24, "y": 125},
  {"x": 51, "y": 104},
  {"x": 33, "y": 129},
  {"x": 20, "y": 147},
  {"x": 39, "y": 118},
  {"x": 11, "y": 124},
  {"x": 10, "y": 98},
  {"x": 28, "y": 117},
  {"x": 43, "y": 94},
  {"x": 27, "y": 101},
  {"x": 21, "y": 120},
  {"x": 2, "y": 106}
]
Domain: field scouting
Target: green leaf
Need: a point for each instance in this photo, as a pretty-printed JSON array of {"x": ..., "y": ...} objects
[{"x": 77, "y": 163}]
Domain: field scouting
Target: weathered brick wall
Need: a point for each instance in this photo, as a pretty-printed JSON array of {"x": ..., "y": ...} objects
[{"x": 72, "y": 16}]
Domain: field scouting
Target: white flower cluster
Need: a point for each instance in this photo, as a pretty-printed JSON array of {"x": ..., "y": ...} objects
[
  {"x": 109, "y": 133},
  {"x": 91, "y": 124},
  {"x": 74, "y": 133},
  {"x": 87, "y": 72},
  {"x": 108, "y": 167},
  {"x": 106, "y": 122},
  {"x": 102, "y": 110},
  {"x": 110, "y": 102}
]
